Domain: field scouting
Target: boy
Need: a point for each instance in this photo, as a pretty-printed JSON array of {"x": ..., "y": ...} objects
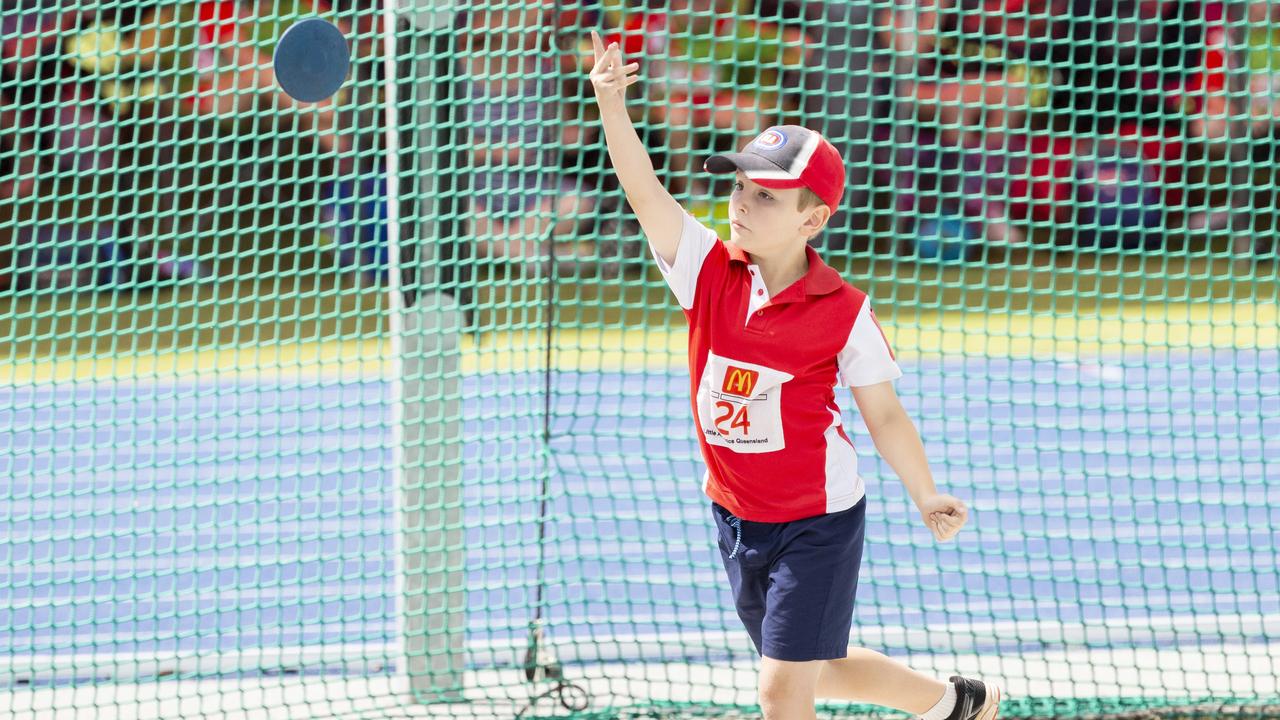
[{"x": 771, "y": 330}]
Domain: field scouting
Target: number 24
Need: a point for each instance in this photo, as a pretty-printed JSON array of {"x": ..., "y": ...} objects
[{"x": 739, "y": 420}]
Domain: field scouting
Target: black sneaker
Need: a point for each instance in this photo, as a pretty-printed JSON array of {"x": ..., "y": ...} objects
[{"x": 975, "y": 700}]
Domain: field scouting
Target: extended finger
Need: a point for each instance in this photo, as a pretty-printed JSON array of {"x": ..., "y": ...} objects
[{"x": 597, "y": 45}]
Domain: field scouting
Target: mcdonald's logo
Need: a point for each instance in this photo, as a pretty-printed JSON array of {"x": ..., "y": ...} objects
[{"x": 740, "y": 382}]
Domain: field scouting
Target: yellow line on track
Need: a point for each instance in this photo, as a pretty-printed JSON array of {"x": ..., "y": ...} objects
[{"x": 1149, "y": 329}]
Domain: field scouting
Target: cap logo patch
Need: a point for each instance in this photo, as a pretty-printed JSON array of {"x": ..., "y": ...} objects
[{"x": 770, "y": 140}]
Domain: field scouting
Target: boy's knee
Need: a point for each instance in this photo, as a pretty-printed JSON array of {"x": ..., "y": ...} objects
[
  {"x": 776, "y": 698},
  {"x": 786, "y": 685}
]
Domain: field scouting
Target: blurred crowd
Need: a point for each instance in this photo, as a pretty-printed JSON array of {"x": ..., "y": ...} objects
[
  {"x": 972, "y": 123},
  {"x": 1127, "y": 121},
  {"x": 977, "y": 123},
  {"x": 133, "y": 135}
]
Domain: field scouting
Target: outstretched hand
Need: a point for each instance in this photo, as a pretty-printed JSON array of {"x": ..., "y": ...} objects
[{"x": 610, "y": 77}]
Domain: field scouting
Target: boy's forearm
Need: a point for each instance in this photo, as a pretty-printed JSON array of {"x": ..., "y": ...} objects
[
  {"x": 630, "y": 159},
  {"x": 899, "y": 444},
  {"x": 660, "y": 216}
]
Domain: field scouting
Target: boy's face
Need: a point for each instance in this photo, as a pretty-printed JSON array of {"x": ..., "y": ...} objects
[{"x": 767, "y": 222}]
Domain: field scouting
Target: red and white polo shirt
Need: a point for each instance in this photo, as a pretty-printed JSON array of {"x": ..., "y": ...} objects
[{"x": 763, "y": 373}]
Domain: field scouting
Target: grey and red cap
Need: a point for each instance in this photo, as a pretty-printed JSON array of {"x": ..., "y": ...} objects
[{"x": 788, "y": 156}]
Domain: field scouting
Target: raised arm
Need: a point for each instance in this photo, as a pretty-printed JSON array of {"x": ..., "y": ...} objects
[{"x": 659, "y": 214}]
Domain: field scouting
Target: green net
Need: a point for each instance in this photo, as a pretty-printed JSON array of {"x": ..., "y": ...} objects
[{"x": 378, "y": 407}]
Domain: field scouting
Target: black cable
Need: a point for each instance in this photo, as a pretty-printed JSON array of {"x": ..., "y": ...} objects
[
  {"x": 533, "y": 665},
  {"x": 572, "y": 698},
  {"x": 540, "y": 663}
]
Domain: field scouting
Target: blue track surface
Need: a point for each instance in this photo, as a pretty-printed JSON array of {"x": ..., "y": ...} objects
[{"x": 228, "y": 515}]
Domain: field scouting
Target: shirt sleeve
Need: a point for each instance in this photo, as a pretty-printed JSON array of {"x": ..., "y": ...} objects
[
  {"x": 866, "y": 358},
  {"x": 696, "y": 242}
]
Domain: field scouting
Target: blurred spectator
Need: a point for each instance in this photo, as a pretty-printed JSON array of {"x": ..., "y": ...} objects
[
  {"x": 520, "y": 198},
  {"x": 714, "y": 71},
  {"x": 1235, "y": 116},
  {"x": 356, "y": 199},
  {"x": 1130, "y": 68},
  {"x": 967, "y": 73},
  {"x": 1054, "y": 100},
  {"x": 18, "y": 150},
  {"x": 838, "y": 84},
  {"x": 67, "y": 152},
  {"x": 215, "y": 57},
  {"x": 210, "y": 61},
  {"x": 1263, "y": 61}
]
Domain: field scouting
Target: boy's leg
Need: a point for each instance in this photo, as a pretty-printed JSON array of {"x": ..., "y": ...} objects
[
  {"x": 868, "y": 676},
  {"x": 787, "y": 688}
]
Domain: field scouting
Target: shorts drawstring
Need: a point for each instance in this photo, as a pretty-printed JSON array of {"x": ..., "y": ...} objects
[{"x": 736, "y": 523}]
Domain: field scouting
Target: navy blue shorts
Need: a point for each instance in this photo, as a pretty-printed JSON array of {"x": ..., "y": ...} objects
[{"x": 794, "y": 582}]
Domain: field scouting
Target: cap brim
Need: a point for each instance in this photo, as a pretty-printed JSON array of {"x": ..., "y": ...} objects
[
  {"x": 751, "y": 164},
  {"x": 746, "y": 162}
]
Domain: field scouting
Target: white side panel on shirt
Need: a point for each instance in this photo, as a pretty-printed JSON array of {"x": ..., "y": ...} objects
[
  {"x": 844, "y": 485},
  {"x": 865, "y": 358}
]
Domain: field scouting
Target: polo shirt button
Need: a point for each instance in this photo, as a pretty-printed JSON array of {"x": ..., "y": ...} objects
[
  {"x": 759, "y": 313},
  {"x": 759, "y": 292}
]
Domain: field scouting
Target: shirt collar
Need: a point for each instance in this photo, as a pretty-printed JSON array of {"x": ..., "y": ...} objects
[{"x": 819, "y": 280}]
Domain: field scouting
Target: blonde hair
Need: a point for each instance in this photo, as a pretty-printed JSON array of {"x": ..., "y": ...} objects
[{"x": 809, "y": 198}]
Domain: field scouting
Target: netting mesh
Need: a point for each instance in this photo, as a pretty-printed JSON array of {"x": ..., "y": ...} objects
[{"x": 378, "y": 408}]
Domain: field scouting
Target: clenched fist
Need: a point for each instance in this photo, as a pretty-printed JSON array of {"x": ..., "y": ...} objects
[{"x": 944, "y": 515}]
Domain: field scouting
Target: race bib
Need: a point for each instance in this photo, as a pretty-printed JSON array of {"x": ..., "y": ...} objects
[{"x": 740, "y": 405}]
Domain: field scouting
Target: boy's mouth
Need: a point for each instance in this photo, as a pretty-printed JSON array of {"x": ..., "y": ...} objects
[{"x": 738, "y": 225}]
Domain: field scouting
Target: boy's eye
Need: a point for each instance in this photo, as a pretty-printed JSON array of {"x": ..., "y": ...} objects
[{"x": 762, "y": 194}]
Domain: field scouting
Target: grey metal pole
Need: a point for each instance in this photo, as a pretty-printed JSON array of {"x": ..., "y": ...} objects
[{"x": 433, "y": 573}]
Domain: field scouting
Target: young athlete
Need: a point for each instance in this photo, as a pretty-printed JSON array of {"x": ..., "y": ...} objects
[{"x": 772, "y": 330}]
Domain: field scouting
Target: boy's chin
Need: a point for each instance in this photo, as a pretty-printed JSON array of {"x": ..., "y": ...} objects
[{"x": 750, "y": 244}]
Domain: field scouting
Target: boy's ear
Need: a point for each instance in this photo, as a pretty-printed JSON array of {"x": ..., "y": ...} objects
[{"x": 816, "y": 220}]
